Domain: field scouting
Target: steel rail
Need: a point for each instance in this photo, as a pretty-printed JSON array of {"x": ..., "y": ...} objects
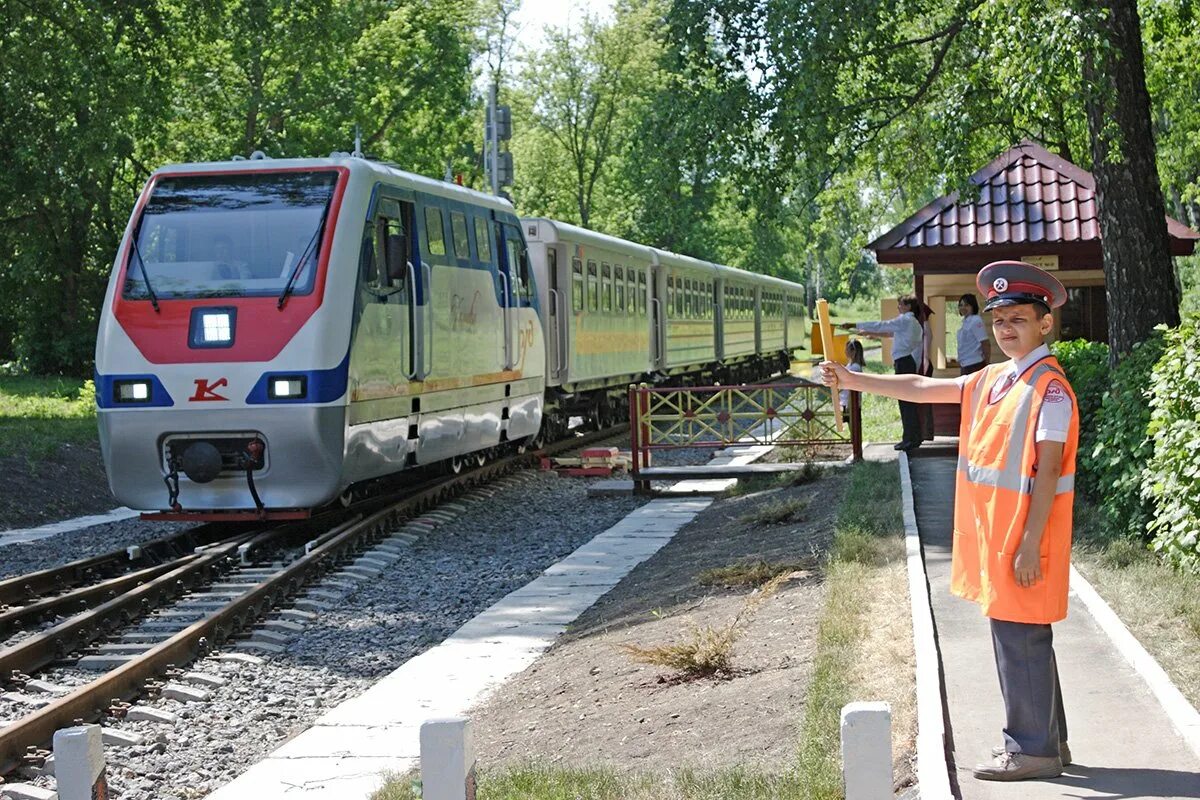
[
  {"x": 23, "y": 588},
  {"x": 90, "y": 700},
  {"x": 78, "y": 599}
]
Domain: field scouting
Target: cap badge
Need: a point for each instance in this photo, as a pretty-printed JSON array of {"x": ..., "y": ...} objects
[{"x": 1000, "y": 285}]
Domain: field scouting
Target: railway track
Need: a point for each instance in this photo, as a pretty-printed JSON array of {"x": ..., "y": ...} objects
[{"x": 146, "y": 623}]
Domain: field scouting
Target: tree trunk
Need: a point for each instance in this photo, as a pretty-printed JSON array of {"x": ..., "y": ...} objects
[{"x": 1140, "y": 276}]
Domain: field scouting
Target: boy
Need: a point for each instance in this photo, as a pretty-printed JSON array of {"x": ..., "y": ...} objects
[{"x": 1012, "y": 505}]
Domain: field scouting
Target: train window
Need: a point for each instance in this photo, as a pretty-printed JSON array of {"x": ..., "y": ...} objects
[
  {"x": 679, "y": 297},
  {"x": 670, "y": 296},
  {"x": 458, "y": 229},
  {"x": 631, "y": 295},
  {"x": 593, "y": 286},
  {"x": 435, "y": 237},
  {"x": 641, "y": 292},
  {"x": 483, "y": 241},
  {"x": 518, "y": 264},
  {"x": 619, "y": 289},
  {"x": 605, "y": 287},
  {"x": 577, "y": 284}
]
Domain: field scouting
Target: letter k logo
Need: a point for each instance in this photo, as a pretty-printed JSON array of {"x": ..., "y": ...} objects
[{"x": 206, "y": 391}]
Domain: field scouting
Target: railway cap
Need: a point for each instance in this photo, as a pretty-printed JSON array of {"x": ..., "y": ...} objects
[{"x": 1011, "y": 283}]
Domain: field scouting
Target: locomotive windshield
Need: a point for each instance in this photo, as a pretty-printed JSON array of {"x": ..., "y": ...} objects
[{"x": 230, "y": 236}]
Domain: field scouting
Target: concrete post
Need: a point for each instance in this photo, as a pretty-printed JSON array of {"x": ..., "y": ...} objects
[
  {"x": 447, "y": 759},
  {"x": 79, "y": 763},
  {"x": 867, "y": 751}
]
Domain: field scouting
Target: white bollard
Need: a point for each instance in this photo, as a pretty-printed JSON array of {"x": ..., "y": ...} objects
[
  {"x": 79, "y": 763},
  {"x": 867, "y": 751},
  {"x": 447, "y": 759}
]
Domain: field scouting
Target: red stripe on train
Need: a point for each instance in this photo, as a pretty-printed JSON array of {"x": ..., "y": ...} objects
[{"x": 262, "y": 329}]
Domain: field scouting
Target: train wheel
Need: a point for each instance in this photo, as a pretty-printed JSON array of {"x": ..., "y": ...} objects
[
  {"x": 454, "y": 465},
  {"x": 346, "y": 498},
  {"x": 481, "y": 458}
]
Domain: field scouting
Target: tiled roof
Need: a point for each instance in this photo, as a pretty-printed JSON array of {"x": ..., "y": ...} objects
[{"x": 1027, "y": 194}]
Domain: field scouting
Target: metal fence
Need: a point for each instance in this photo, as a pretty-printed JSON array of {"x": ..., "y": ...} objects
[{"x": 798, "y": 413}]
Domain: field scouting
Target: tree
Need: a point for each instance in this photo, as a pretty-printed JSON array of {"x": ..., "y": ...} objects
[
  {"x": 963, "y": 80},
  {"x": 584, "y": 91},
  {"x": 1140, "y": 279},
  {"x": 81, "y": 85}
]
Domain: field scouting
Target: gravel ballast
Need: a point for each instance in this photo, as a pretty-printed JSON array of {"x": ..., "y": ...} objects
[{"x": 495, "y": 545}]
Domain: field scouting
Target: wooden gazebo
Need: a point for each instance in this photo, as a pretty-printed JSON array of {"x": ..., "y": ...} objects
[{"x": 1033, "y": 206}]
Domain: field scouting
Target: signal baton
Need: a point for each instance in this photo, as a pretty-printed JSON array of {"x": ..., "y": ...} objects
[{"x": 827, "y": 347}]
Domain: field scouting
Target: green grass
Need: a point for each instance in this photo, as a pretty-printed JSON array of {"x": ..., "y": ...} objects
[
  {"x": 880, "y": 415},
  {"x": 867, "y": 537},
  {"x": 807, "y": 473},
  {"x": 37, "y": 415},
  {"x": 864, "y": 580},
  {"x": 1159, "y": 605},
  {"x": 776, "y": 513}
]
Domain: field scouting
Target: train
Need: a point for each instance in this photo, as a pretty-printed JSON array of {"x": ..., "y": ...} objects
[{"x": 277, "y": 333}]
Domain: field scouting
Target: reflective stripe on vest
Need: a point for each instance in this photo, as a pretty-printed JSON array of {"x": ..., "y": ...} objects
[{"x": 1011, "y": 477}]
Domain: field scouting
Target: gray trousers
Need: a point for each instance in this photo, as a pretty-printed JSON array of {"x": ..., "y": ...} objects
[{"x": 1034, "y": 718}]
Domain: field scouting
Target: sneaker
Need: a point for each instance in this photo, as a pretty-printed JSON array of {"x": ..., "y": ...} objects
[
  {"x": 1019, "y": 767},
  {"x": 1064, "y": 753}
]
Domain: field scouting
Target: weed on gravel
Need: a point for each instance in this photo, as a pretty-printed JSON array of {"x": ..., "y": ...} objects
[
  {"x": 708, "y": 650},
  {"x": 752, "y": 573},
  {"x": 776, "y": 513},
  {"x": 806, "y": 473}
]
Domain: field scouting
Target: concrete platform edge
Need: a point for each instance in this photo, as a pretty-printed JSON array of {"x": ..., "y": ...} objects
[
  {"x": 1179, "y": 710},
  {"x": 933, "y": 769}
]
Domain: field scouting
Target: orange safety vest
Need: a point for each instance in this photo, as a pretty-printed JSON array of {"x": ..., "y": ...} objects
[{"x": 997, "y": 462}]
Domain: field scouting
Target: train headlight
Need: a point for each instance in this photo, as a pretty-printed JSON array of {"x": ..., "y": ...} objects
[
  {"x": 137, "y": 391},
  {"x": 212, "y": 327},
  {"x": 287, "y": 387},
  {"x": 217, "y": 328}
]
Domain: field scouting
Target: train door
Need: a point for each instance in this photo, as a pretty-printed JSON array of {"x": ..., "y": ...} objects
[
  {"x": 558, "y": 314},
  {"x": 516, "y": 283},
  {"x": 658, "y": 322},
  {"x": 395, "y": 282}
]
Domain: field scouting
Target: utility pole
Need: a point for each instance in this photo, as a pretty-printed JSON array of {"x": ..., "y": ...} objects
[
  {"x": 492, "y": 146},
  {"x": 497, "y": 127}
]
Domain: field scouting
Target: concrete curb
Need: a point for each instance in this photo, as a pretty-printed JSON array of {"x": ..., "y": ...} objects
[
  {"x": 933, "y": 771},
  {"x": 25, "y": 535},
  {"x": 1179, "y": 710}
]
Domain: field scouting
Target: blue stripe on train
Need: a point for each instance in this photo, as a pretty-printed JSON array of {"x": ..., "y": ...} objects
[
  {"x": 159, "y": 397},
  {"x": 324, "y": 385}
]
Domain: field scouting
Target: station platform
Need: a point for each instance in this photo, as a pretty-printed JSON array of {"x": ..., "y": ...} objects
[{"x": 1123, "y": 741}]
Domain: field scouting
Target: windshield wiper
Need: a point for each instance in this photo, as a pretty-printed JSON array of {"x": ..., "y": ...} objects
[
  {"x": 145, "y": 277},
  {"x": 291, "y": 281}
]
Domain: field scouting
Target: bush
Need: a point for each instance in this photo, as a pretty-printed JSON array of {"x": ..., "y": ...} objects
[
  {"x": 1172, "y": 481},
  {"x": 1115, "y": 462},
  {"x": 1086, "y": 365}
]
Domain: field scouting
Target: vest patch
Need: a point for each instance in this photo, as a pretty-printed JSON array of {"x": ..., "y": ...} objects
[{"x": 1055, "y": 393}]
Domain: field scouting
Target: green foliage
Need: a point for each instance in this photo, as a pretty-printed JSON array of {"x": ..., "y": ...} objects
[
  {"x": 1172, "y": 480},
  {"x": 1122, "y": 448},
  {"x": 39, "y": 415},
  {"x": 1087, "y": 368}
]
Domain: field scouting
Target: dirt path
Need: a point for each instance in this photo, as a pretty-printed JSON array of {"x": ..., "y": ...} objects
[
  {"x": 70, "y": 484},
  {"x": 586, "y": 703}
]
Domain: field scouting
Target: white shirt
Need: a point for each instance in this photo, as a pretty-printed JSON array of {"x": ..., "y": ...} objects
[
  {"x": 1054, "y": 419},
  {"x": 906, "y": 334},
  {"x": 971, "y": 337},
  {"x": 854, "y": 366}
]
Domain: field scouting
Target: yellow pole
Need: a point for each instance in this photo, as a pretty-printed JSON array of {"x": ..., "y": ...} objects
[{"x": 827, "y": 348}]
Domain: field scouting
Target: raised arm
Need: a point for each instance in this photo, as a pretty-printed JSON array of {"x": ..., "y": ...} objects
[{"x": 911, "y": 388}]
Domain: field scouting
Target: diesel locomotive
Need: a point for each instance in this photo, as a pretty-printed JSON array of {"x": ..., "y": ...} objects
[{"x": 277, "y": 332}]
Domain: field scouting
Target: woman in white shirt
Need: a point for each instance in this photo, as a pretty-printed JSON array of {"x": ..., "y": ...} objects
[
  {"x": 974, "y": 348},
  {"x": 907, "y": 347}
]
